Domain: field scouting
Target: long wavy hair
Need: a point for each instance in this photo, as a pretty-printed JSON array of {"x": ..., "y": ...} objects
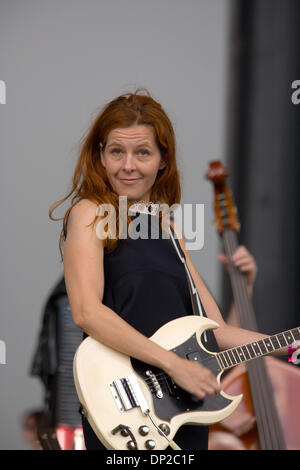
[{"x": 90, "y": 180}]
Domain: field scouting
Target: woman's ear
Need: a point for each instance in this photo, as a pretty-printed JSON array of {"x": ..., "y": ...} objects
[{"x": 162, "y": 165}]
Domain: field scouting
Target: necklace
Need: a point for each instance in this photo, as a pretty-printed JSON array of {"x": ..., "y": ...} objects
[{"x": 144, "y": 207}]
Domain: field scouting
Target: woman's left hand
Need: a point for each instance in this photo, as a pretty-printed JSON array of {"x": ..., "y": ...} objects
[{"x": 242, "y": 259}]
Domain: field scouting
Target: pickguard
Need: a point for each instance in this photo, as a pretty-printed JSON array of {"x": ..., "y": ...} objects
[{"x": 175, "y": 400}]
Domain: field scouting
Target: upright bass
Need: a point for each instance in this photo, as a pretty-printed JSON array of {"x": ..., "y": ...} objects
[{"x": 271, "y": 388}]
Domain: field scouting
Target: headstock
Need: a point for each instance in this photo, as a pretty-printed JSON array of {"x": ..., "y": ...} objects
[{"x": 224, "y": 208}]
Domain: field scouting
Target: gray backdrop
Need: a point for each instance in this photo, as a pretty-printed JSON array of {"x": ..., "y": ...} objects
[{"x": 61, "y": 62}]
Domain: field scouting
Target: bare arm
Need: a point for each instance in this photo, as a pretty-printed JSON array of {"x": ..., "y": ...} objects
[{"x": 84, "y": 276}]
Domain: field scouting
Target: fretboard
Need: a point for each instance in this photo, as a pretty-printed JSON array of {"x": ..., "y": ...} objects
[{"x": 247, "y": 352}]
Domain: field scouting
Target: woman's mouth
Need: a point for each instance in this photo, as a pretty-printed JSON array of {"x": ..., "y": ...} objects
[{"x": 130, "y": 180}]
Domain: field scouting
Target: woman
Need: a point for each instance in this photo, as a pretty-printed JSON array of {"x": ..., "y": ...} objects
[{"x": 122, "y": 290}]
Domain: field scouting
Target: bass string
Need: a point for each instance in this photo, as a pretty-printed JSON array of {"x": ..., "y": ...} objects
[
  {"x": 239, "y": 286},
  {"x": 239, "y": 297},
  {"x": 270, "y": 435},
  {"x": 264, "y": 402}
]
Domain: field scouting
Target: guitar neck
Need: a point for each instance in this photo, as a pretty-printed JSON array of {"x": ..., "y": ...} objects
[{"x": 263, "y": 347}]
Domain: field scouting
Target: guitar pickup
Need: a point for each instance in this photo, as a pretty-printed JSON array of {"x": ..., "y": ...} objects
[
  {"x": 194, "y": 356},
  {"x": 128, "y": 394}
]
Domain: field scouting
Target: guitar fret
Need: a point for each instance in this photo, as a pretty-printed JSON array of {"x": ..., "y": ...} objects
[
  {"x": 288, "y": 336},
  {"x": 293, "y": 336},
  {"x": 246, "y": 352},
  {"x": 296, "y": 333},
  {"x": 268, "y": 345},
  {"x": 232, "y": 358},
  {"x": 224, "y": 365},
  {"x": 272, "y": 343},
  {"x": 281, "y": 340},
  {"x": 256, "y": 349},
  {"x": 262, "y": 347},
  {"x": 260, "y": 351},
  {"x": 224, "y": 361},
  {"x": 275, "y": 342},
  {"x": 236, "y": 355},
  {"x": 219, "y": 361},
  {"x": 252, "y": 353},
  {"x": 249, "y": 351},
  {"x": 225, "y": 353}
]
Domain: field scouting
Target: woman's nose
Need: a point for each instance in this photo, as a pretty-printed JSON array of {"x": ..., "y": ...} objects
[{"x": 129, "y": 162}]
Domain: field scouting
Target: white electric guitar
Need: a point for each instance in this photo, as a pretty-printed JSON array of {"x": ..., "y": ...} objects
[{"x": 134, "y": 406}]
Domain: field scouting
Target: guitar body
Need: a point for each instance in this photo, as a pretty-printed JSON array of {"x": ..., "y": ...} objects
[{"x": 100, "y": 378}]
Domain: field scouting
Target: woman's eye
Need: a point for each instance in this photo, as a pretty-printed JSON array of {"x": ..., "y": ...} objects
[{"x": 118, "y": 152}]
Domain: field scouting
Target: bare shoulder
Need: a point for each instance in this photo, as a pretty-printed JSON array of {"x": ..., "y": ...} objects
[
  {"x": 81, "y": 216},
  {"x": 83, "y": 258},
  {"x": 83, "y": 212}
]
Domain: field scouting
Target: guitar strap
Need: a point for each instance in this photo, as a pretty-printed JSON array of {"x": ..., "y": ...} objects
[{"x": 197, "y": 306}]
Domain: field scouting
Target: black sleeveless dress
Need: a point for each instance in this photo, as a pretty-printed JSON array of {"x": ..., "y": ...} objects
[{"x": 146, "y": 284}]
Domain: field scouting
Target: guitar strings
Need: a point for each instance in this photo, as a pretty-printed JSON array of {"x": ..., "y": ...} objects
[
  {"x": 241, "y": 301},
  {"x": 239, "y": 296},
  {"x": 164, "y": 376},
  {"x": 271, "y": 436},
  {"x": 270, "y": 430}
]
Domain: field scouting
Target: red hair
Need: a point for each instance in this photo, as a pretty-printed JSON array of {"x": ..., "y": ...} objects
[{"x": 90, "y": 180}]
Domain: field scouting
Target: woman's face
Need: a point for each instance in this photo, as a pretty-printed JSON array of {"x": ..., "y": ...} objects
[{"x": 132, "y": 159}]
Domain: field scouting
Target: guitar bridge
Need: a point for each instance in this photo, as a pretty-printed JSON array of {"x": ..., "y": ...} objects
[{"x": 128, "y": 394}]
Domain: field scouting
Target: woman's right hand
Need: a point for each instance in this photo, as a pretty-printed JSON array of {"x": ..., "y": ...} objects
[{"x": 193, "y": 377}]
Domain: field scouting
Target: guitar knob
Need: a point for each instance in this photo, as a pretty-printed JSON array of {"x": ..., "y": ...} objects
[
  {"x": 150, "y": 444},
  {"x": 144, "y": 430},
  {"x": 165, "y": 428},
  {"x": 124, "y": 433},
  {"x": 131, "y": 445}
]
